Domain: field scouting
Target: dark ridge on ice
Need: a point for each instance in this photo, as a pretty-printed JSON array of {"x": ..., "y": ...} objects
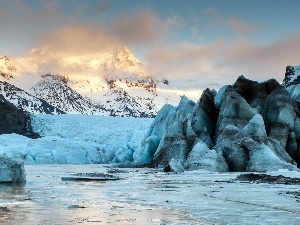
[
  {"x": 264, "y": 178},
  {"x": 90, "y": 177}
]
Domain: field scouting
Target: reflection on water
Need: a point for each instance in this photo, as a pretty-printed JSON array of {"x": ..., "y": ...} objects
[
  {"x": 46, "y": 199},
  {"x": 144, "y": 197}
]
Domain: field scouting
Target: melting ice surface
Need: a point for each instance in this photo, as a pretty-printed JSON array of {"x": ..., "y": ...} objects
[{"x": 145, "y": 196}]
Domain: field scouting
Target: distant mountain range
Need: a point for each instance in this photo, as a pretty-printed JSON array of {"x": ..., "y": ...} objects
[{"x": 112, "y": 83}]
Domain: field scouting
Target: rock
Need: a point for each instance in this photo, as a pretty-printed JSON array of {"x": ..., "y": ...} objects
[
  {"x": 292, "y": 79},
  {"x": 11, "y": 170},
  {"x": 14, "y": 120},
  {"x": 264, "y": 178}
]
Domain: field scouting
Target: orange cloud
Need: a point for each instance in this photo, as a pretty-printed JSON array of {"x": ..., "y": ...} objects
[
  {"x": 81, "y": 39},
  {"x": 262, "y": 62},
  {"x": 186, "y": 61},
  {"x": 143, "y": 28},
  {"x": 221, "y": 63}
]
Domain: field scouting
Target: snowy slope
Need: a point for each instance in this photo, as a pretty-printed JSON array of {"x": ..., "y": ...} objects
[
  {"x": 22, "y": 99},
  {"x": 77, "y": 139},
  {"x": 292, "y": 81},
  {"x": 112, "y": 82},
  {"x": 55, "y": 91},
  {"x": 6, "y": 68}
]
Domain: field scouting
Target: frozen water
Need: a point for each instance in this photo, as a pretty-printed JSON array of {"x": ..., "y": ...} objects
[
  {"x": 11, "y": 170},
  {"x": 148, "y": 197},
  {"x": 77, "y": 139}
]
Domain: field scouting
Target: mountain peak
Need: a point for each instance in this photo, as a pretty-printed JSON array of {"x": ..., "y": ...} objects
[
  {"x": 6, "y": 68},
  {"x": 292, "y": 76}
]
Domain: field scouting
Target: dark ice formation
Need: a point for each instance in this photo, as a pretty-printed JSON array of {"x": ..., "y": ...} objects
[{"x": 249, "y": 126}]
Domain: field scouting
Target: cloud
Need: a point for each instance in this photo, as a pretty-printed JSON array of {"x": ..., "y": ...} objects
[
  {"x": 215, "y": 18},
  {"x": 51, "y": 11},
  {"x": 142, "y": 28},
  {"x": 185, "y": 60},
  {"x": 239, "y": 26},
  {"x": 99, "y": 7},
  {"x": 222, "y": 63},
  {"x": 80, "y": 39},
  {"x": 262, "y": 62}
]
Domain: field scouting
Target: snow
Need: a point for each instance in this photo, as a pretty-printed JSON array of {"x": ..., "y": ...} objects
[
  {"x": 77, "y": 139},
  {"x": 104, "y": 83},
  {"x": 296, "y": 73},
  {"x": 291, "y": 82}
]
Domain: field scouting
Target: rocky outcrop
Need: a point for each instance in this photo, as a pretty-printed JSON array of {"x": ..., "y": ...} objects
[
  {"x": 23, "y": 100},
  {"x": 14, "y": 120},
  {"x": 11, "y": 170},
  {"x": 249, "y": 126}
]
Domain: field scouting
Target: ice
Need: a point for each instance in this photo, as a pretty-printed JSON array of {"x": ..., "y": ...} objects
[
  {"x": 219, "y": 95},
  {"x": 155, "y": 133},
  {"x": 263, "y": 159},
  {"x": 77, "y": 139},
  {"x": 176, "y": 166},
  {"x": 147, "y": 196},
  {"x": 11, "y": 170},
  {"x": 255, "y": 129},
  {"x": 202, "y": 158}
]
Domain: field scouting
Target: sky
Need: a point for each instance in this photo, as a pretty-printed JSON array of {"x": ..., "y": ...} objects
[{"x": 211, "y": 41}]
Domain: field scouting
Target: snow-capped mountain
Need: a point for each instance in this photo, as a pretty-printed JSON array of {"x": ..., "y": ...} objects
[
  {"x": 24, "y": 100},
  {"x": 112, "y": 82},
  {"x": 54, "y": 90},
  {"x": 6, "y": 69},
  {"x": 292, "y": 81}
]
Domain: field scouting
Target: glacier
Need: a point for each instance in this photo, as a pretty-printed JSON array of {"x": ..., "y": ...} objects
[
  {"x": 77, "y": 139},
  {"x": 246, "y": 127}
]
